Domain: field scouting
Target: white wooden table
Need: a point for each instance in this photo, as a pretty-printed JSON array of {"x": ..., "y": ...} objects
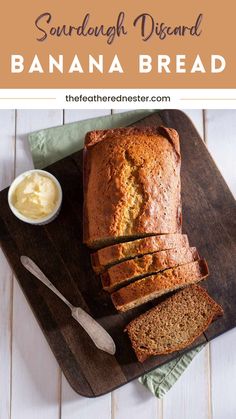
[{"x": 31, "y": 383}]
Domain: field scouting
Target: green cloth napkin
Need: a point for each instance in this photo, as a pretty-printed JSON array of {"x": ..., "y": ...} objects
[
  {"x": 52, "y": 144},
  {"x": 160, "y": 380}
]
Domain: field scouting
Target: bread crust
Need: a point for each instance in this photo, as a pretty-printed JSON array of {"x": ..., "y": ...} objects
[
  {"x": 125, "y": 272},
  {"x": 93, "y": 137},
  {"x": 111, "y": 255},
  {"x": 153, "y": 286},
  {"x": 131, "y": 184}
]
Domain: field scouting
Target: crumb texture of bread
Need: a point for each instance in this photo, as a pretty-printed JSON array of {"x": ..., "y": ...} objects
[
  {"x": 153, "y": 286},
  {"x": 132, "y": 269},
  {"x": 173, "y": 324},
  {"x": 111, "y": 255},
  {"x": 131, "y": 184}
]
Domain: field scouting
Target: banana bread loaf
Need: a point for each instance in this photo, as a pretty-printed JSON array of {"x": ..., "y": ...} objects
[
  {"x": 131, "y": 184},
  {"x": 153, "y": 286},
  {"x": 173, "y": 324},
  {"x": 111, "y": 255},
  {"x": 125, "y": 272}
]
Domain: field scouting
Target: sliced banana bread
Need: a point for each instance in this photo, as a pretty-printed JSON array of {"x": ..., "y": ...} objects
[
  {"x": 131, "y": 184},
  {"x": 125, "y": 272},
  {"x": 111, "y": 255},
  {"x": 173, "y": 324},
  {"x": 153, "y": 286}
]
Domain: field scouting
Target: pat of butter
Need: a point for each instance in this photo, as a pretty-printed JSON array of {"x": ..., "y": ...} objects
[{"x": 36, "y": 196}]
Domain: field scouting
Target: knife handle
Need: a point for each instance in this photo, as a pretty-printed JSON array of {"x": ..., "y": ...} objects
[{"x": 36, "y": 271}]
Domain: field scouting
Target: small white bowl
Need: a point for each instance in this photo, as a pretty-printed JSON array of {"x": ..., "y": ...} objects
[{"x": 43, "y": 220}]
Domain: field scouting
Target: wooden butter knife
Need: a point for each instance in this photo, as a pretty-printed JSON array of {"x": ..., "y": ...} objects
[{"x": 97, "y": 333}]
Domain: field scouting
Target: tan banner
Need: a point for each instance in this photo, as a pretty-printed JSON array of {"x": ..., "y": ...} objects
[{"x": 125, "y": 44}]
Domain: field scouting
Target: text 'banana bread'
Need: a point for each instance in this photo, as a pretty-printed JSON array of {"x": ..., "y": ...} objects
[
  {"x": 131, "y": 184},
  {"x": 173, "y": 324}
]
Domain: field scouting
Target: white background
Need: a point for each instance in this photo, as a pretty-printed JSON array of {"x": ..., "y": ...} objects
[
  {"x": 31, "y": 383},
  {"x": 55, "y": 98}
]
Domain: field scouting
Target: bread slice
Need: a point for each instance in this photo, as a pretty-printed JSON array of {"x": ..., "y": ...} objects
[
  {"x": 173, "y": 324},
  {"x": 111, "y": 255},
  {"x": 131, "y": 184},
  {"x": 150, "y": 287},
  {"x": 125, "y": 272}
]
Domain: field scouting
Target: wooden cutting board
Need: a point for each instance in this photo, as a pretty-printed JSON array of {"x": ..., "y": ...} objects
[{"x": 209, "y": 219}]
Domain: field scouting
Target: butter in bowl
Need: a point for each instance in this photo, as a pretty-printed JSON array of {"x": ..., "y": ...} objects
[{"x": 35, "y": 197}]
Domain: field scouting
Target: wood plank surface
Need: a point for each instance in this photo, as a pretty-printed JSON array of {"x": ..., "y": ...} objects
[
  {"x": 190, "y": 401},
  {"x": 59, "y": 328},
  {"x": 137, "y": 401},
  {"x": 28, "y": 372},
  {"x": 7, "y": 153},
  {"x": 221, "y": 141}
]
